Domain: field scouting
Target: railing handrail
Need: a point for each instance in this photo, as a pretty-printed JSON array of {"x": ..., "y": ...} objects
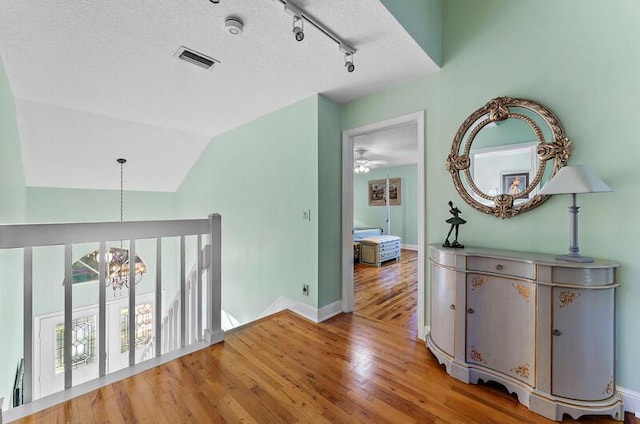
[{"x": 30, "y": 235}]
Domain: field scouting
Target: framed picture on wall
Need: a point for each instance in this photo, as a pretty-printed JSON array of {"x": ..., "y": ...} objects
[
  {"x": 377, "y": 192},
  {"x": 515, "y": 183}
]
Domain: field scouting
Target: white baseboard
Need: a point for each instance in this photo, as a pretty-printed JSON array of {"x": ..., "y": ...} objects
[
  {"x": 427, "y": 330},
  {"x": 330, "y": 310},
  {"x": 409, "y": 246},
  {"x": 280, "y": 304},
  {"x": 304, "y": 310},
  {"x": 631, "y": 400}
]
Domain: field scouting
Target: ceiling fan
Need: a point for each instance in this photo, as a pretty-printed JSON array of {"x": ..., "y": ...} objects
[{"x": 364, "y": 165}]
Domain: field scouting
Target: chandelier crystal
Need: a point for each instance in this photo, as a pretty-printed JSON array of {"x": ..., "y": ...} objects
[{"x": 118, "y": 260}]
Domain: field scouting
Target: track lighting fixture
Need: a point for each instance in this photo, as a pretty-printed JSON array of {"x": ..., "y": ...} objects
[
  {"x": 298, "y": 27},
  {"x": 348, "y": 62},
  {"x": 299, "y": 16}
]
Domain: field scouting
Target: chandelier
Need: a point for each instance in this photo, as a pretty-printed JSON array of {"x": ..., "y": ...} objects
[
  {"x": 361, "y": 165},
  {"x": 117, "y": 259}
]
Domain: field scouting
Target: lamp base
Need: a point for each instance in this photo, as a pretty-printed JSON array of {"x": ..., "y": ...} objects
[{"x": 574, "y": 258}]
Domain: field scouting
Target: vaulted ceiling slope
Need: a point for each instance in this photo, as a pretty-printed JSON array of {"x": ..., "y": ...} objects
[{"x": 97, "y": 80}]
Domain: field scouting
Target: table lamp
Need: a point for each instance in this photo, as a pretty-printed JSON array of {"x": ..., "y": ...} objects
[{"x": 573, "y": 180}]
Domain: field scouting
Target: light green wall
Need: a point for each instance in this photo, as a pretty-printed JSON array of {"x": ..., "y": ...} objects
[
  {"x": 12, "y": 210},
  {"x": 261, "y": 177},
  {"x": 48, "y": 205},
  {"x": 329, "y": 205},
  {"x": 423, "y": 21},
  {"x": 404, "y": 217},
  {"x": 587, "y": 78}
]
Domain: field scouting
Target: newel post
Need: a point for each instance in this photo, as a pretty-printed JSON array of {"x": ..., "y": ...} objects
[{"x": 213, "y": 333}]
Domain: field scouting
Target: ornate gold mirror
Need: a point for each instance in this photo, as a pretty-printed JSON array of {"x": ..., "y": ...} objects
[{"x": 504, "y": 153}]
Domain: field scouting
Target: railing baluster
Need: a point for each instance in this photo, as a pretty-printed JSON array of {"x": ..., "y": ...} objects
[
  {"x": 102, "y": 310},
  {"x": 199, "y": 289},
  {"x": 158, "y": 309},
  {"x": 68, "y": 316},
  {"x": 183, "y": 297},
  {"x": 188, "y": 318},
  {"x": 27, "y": 385},
  {"x": 132, "y": 302},
  {"x": 192, "y": 308}
]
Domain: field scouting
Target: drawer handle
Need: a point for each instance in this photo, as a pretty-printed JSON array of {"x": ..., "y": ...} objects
[
  {"x": 557, "y": 332},
  {"x": 470, "y": 310},
  {"x": 499, "y": 267},
  {"x": 452, "y": 307}
]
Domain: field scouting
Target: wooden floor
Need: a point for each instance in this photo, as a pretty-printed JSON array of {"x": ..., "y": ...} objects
[
  {"x": 285, "y": 369},
  {"x": 388, "y": 293},
  {"x": 366, "y": 367}
]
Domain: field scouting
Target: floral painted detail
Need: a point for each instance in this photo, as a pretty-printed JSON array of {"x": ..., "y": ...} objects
[
  {"x": 521, "y": 370},
  {"x": 609, "y": 389},
  {"x": 567, "y": 296},
  {"x": 477, "y": 282},
  {"x": 477, "y": 356},
  {"x": 522, "y": 290}
]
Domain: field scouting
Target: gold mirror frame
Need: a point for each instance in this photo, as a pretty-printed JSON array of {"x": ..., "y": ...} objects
[{"x": 459, "y": 162}]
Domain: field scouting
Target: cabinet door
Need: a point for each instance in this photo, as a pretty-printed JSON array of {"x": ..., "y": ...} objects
[
  {"x": 501, "y": 325},
  {"x": 443, "y": 294},
  {"x": 583, "y": 343}
]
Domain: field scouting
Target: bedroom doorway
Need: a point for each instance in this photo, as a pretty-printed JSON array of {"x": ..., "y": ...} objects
[{"x": 376, "y": 143}]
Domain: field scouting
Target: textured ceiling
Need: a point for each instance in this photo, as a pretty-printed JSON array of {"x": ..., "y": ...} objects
[
  {"x": 394, "y": 146},
  {"x": 97, "y": 80}
]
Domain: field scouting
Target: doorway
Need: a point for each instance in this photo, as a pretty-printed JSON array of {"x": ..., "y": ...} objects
[{"x": 349, "y": 138}]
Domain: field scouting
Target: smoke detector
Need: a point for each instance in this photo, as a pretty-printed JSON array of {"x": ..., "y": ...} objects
[{"x": 233, "y": 25}]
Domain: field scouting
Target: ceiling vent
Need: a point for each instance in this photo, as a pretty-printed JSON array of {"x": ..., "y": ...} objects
[{"x": 196, "y": 58}]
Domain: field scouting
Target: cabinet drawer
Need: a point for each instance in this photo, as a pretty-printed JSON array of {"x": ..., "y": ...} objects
[
  {"x": 389, "y": 254},
  {"x": 501, "y": 266},
  {"x": 392, "y": 245}
]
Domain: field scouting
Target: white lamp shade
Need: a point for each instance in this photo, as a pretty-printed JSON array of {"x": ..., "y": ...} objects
[{"x": 575, "y": 179}]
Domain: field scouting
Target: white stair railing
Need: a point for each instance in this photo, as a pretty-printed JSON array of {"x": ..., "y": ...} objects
[
  {"x": 174, "y": 333},
  {"x": 170, "y": 323}
]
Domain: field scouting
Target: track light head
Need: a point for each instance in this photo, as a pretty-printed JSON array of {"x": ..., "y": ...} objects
[
  {"x": 348, "y": 62},
  {"x": 298, "y": 29}
]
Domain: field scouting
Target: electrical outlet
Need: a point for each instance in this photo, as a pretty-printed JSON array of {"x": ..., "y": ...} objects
[
  {"x": 305, "y": 289},
  {"x": 306, "y": 215}
]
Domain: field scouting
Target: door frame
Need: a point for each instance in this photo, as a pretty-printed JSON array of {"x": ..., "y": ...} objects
[{"x": 417, "y": 118}]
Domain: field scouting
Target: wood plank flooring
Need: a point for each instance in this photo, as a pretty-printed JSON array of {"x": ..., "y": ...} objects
[
  {"x": 359, "y": 368},
  {"x": 388, "y": 293},
  {"x": 285, "y": 369}
]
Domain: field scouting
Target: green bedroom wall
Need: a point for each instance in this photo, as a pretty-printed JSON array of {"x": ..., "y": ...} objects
[
  {"x": 404, "y": 217},
  {"x": 423, "y": 21},
  {"x": 261, "y": 177},
  {"x": 580, "y": 64},
  {"x": 329, "y": 205},
  {"x": 12, "y": 210}
]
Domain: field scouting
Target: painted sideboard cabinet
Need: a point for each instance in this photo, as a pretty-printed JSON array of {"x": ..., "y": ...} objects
[{"x": 543, "y": 328}]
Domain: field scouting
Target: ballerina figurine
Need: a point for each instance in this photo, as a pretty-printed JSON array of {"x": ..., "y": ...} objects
[{"x": 455, "y": 222}]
